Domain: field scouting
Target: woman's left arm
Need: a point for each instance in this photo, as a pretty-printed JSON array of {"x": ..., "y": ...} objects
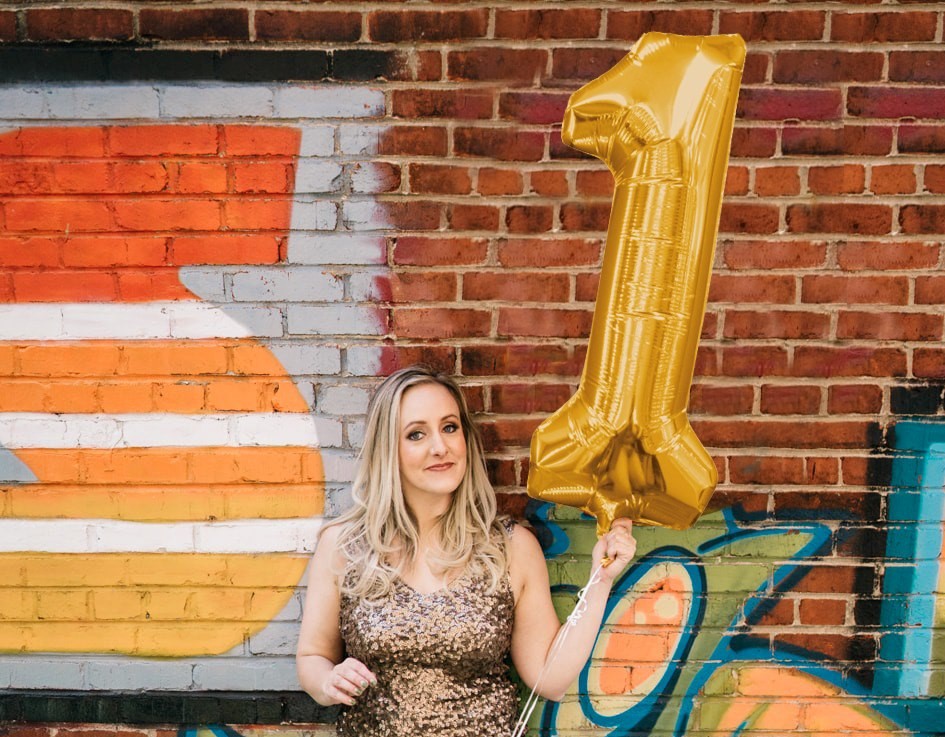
[{"x": 536, "y": 624}]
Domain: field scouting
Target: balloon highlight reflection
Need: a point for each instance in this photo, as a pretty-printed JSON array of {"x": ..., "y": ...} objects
[{"x": 622, "y": 446}]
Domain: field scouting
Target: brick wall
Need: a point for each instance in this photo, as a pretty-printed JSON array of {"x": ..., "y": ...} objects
[{"x": 429, "y": 211}]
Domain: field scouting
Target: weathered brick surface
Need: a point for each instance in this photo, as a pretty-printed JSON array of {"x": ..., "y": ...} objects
[{"x": 437, "y": 217}]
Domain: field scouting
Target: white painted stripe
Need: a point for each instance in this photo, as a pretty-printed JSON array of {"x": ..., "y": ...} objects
[
  {"x": 115, "y": 536},
  {"x": 138, "y": 321},
  {"x": 43, "y": 430}
]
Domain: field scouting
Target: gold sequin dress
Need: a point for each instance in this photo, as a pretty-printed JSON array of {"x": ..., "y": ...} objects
[{"x": 440, "y": 660}]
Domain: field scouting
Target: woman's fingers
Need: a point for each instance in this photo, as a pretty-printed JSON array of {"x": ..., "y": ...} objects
[{"x": 349, "y": 679}]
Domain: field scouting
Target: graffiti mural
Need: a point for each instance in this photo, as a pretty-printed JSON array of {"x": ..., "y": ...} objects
[
  {"x": 681, "y": 651},
  {"x": 163, "y": 473}
]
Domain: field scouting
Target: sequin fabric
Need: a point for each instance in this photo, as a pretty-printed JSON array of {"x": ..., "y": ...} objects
[{"x": 440, "y": 661}]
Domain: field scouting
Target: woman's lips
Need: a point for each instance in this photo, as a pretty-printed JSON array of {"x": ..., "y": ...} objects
[{"x": 441, "y": 467}]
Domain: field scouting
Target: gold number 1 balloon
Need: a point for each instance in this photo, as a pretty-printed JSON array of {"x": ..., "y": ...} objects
[{"x": 622, "y": 446}]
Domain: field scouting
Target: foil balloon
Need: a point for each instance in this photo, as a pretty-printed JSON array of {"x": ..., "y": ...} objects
[{"x": 622, "y": 446}]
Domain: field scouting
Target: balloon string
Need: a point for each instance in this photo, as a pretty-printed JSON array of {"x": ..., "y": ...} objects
[{"x": 579, "y": 608}]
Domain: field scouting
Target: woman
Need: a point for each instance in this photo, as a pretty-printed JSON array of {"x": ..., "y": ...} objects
[{"x": 418, "y": 594}]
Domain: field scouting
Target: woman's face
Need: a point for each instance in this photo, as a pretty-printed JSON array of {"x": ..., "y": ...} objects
[{"x": 432, "y": 444}]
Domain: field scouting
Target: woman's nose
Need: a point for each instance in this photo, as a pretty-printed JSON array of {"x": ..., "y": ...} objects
[{"x": 437, "y": 444}]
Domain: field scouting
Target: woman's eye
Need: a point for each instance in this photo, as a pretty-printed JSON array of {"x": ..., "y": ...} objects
[
  {"x": 451, "y": 427},
  {"x": 415, "y": 435}
]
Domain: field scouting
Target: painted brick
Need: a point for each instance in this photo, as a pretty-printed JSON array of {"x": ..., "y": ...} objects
[
  {"x": 373, "y": 178},
  {"x": 292, "y": 284},
  {"x": 342, "y": 400},
  {"x": 336, "y": 248},
  {"x": 328, "y": 101},
  {"x": 340, "y": 319}
]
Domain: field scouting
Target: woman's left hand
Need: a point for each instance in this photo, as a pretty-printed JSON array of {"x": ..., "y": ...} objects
[{"x": 619, "y": 546}]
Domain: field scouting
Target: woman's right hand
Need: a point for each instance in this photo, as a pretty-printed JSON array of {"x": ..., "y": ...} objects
[{"x": 347, "y": 680}]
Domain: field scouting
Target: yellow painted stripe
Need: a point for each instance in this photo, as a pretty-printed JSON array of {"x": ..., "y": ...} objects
[
  {"x": 161, "y": 503},
  {"x": 102, "y": 603}
]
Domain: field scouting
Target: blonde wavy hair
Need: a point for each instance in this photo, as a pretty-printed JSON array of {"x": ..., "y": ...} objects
[{"x": 379, "y": 536}]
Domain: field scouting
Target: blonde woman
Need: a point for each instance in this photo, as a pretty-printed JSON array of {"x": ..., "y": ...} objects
[{"x": 418, "y": 595}]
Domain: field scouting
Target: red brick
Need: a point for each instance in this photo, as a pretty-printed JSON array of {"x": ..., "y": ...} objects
[
  {"x": 754, "y": 142},
  {"x": 930, "y": 290},
  {"x": 504, "y": 144},
  {"x": 427, "y": 103},
  {"x": 768, "y": 470},
  {"x": 720, "y": 400},
  {"x": 756, "y": 68},
  {"x": 781, "y": 612},
  {"x": 854, "y": 399},
  {"x": 707, "y": 361},
  {"x": 547, "y": 24},
  {"x": 823, "y": 289},
  {"x": 896, "y": 102},
  {"x": 391, "y": 26},
  {"x": 928, "y": 363},
  {"x": 424, "y": 286},
  {"x": 439, "y": 179},
  {"x": 585, "y": 287},
  {"x": 499, "y": 181},
  {"x": 537, "y": 108},
  {"x": 887, "y": 256},
  {"x": 595, "y": 183},
  {"x": 519, "y": 360},
  {"x": 502, "y": 472},
  {"x": 769, "y": 433},
  {"x": 516, "y": 287},
  {"x": 776, "y": 324},
  {"x": 579, "y": 216},
  {"x": 922, "y": 219},
  {"x": 736, "y": 181},
  {"x": 393, "y": 357},
  {"x": 830, "y": 579},
  {"x": 439, "y": 323},
  {"x": 871, "y": 140},
  {"x": 790, "y": 400},
  {"x": 883, "y": 27},
  {"x": 558, "y": 150},
  {"x": 756, "y": 289},
  {"x": 766, "y": 103},
  {"x": 429, "y": 66},
  {"x": 630, "y": 25},
  {"x": 835, "y": 180},
  {"x": 549, "y": 323},
  {"x": 792, "y": 25},
  {"x": 892, "y": 179},
  {"x": 438, "y": 251},
  {"x": 843, "y": 218},
  {"x": 529, "y": 398},
  {"x": 774, "y": 181},
  {"x": 743, "y": 217},
  {"x": 473, "y": 217},
  {"x": 823, "y": 611},
  {"x": 754, "y": 361},
  {"x": 749, "y": 255},
  {"x": 412, "y": 214},
  {"x": 7, "y": 26},
  {"x": 308, "y": 25},
  {"x": 79, "y": 24},
  {"x": 210, "y": 24},
  {"x": 414, "y": 140},
  {"x": 917, "y": 67},
  {"x": 497, "y": 64},
  {"x": 934, "y": 179},
  {"x": 544, "y": 252},
  {"x": 529, "y": 218},
  {"x": 823, "y": 471},
  {"x": 827, "y": 362},
  {"x": 824, "y": 66},
  {"x": 584, "y": 63},
  {"x": 918, "y": 139},
  {"x": 38, "y": 251},
  {"x": 550, "y": 183},
  {"x": 503, "y": 433}
]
